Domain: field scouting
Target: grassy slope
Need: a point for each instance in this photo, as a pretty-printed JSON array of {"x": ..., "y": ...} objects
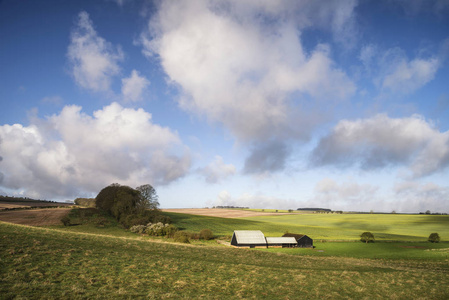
[
  {"x": 326, "y": 226},
  {"x": 39, "y": 263}
]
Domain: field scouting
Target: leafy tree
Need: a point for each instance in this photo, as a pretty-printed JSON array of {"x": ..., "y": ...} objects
[
  {"x": 434, "y": 238},
  {"x": 148, "y": 198},
  {"x": 367, "y": 237}
]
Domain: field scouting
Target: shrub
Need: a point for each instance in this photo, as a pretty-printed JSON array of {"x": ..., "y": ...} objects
[
  {"x": 181, "y": 237},
  {"x": 206, "y": 234},
  {"x": 65, "y": 220},
  {"x": 170, "y": 230},
  {"x": 138, "y": 228},
  {"x": 367, "y": 237},
  {"x": 434, "y": 238}
]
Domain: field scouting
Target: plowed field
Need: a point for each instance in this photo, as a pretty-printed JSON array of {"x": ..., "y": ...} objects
[{"x": 35, "y": 217}]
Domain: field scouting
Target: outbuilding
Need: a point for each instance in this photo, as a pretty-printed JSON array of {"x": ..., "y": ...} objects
[
  {"x": 284, "y": 242},
  {"x": 303, "y": 241},
  {"x": 248, "y": 238}
]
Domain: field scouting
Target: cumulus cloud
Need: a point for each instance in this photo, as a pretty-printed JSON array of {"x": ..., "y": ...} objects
[
  {"x": 240, "y": 70},
  {"x": 382, "y": 141},
  {"x": 71, "y": 152},
  {"x": 134, "y": 87},
  {"x": 346, "y": 196},
  {"x": 269, "y": 157},
  {"x": 217, "y": 170},
  {"x": 399, "y": 74},
  {"x": 224, "y": 198},
  {"x": 94, "y": 61},
  {"x": 242, "y": 64},
  {"x": 414, "y": 196}
]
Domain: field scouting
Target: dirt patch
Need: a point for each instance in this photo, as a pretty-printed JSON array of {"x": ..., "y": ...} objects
[
  {"x": 414, "y": 247},
  {"x": 223, "y": 213},
  {"x": 35, "y": 217}
]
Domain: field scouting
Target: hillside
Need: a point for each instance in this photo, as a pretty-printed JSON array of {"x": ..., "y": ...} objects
[{"x": 37, "y": 262}]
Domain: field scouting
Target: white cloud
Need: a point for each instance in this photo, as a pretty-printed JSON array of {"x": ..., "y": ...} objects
[
  {"x": 134, "y": 87},
  {"x": 419, "y": 197},
  {"x": 349, "y": 196},
  {"x": 94, "y": 61},
  {"x": 217, "y": 170},
  {"x": 238, "y": 70},
  {"x": 381, "y": 141},
  {"x": 72, "y": 153},
  {"x": 405, "y": 76}
]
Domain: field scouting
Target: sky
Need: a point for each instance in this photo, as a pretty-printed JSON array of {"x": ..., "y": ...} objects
[{"x": 262, "y": 104}]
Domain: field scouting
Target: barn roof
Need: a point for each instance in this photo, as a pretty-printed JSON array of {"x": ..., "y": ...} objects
[
  {"x": 249, "y": 237},
  {"x": 281, "y": 240},
  {"x": 295, "y": 235}
]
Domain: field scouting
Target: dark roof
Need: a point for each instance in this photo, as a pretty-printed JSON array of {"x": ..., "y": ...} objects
[{"x": 295, "y": 235}]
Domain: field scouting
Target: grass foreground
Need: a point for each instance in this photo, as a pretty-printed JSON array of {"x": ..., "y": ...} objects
[{"x": 46, "y": 263}]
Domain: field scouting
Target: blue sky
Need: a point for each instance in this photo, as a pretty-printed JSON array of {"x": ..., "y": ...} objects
[{"x": 266, "y": 104}]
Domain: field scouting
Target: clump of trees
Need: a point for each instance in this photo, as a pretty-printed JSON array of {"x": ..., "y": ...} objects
[
  {"x": 131, "y": 206},
  {"x": 367, "y": 237},
  {"x": 434, "y": 238}
]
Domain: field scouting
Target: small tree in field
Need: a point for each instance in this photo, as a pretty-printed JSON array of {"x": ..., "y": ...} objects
[
  {"x": 434, "y": 238},
  {"x": 367, "y": 237}
]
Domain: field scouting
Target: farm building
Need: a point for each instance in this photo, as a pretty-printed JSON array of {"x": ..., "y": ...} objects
[
  {"x": 248, "y": 238},
  {"x": 303, "y": 240},
  {"x": 284, "y": 242}
]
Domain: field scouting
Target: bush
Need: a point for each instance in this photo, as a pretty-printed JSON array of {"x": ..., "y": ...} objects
[
  {"x": 181, "y": 237},
  {"x": 65, "y": 220},
  {"x": 206, "y": 234},
  {"x": 367, "y": 237},
  {"x": 434, "y": 238},
  {"x": 170, "y": 230},
  {"x": 138, "y": 228}
]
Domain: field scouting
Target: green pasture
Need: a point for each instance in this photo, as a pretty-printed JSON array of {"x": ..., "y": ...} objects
[
  {"x": 385, "y": 227},
  {"x": 46, "y": 263}
]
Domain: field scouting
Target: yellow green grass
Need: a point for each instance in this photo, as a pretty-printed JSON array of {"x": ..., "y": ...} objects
[
  {"x": 385, "y": 227},
  {"x": 43, "y": 263}
]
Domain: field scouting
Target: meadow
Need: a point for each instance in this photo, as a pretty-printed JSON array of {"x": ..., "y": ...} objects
[
  {"x": 340, "y": 227},
  {"x": 98, "y": 259},
  {"x": 47, "y": 263}
]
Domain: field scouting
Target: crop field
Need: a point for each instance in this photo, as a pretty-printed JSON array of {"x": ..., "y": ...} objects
[{"x": 44, "y": 263}]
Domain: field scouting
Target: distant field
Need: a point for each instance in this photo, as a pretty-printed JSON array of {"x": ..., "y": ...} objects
[
  {"x": 224, "y": 213},
  {"x": 38, "y": 263},
  {"x": 35, "y": 217},
  {"x": 387, "y": 227}
]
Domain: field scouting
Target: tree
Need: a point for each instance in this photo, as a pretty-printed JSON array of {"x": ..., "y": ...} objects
[
  {"x": 434, "y": 238},
  {"x": 148, "y": 198},
  {"x": 367, "y": 237}
]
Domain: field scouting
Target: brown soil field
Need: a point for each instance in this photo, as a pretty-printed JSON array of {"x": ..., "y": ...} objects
[
  {"x": 222, "y": 213},
  {"x": 35, "y": 217},
  {"x": 6, "y": 204}
]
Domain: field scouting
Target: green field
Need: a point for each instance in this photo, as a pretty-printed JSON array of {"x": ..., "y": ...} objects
[
  {"x": 385, "y": 227},
  {"x": 106, "y": 262},
  {"x": 43, "y": 263}
]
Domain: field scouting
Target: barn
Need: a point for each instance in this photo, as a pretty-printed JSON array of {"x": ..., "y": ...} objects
[
  {"x": 248, "y": 238},
  {"x": 303, "y": 240},
  {"x": 284, "y": 242}
]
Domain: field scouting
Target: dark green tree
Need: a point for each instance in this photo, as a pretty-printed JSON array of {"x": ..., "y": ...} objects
[
  {"x": 434, "y": 238},
  {"x": 367, "y": 237}
]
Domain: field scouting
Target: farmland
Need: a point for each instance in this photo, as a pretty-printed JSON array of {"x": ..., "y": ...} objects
[{"x": 88, "y": 261}]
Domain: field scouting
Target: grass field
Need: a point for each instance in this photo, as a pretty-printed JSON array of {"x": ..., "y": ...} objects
[
  {"x": 385, "y": 227},
  {"x": 43, "y": 263}
]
